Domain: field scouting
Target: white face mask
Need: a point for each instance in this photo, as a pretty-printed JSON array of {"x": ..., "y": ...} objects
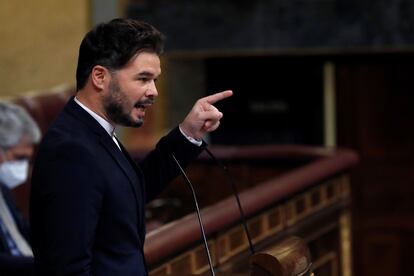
[{"x": 14, "y": 173}]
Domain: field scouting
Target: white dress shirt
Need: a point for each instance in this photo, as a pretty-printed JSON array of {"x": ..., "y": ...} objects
[{"x": 104, "y": 123}]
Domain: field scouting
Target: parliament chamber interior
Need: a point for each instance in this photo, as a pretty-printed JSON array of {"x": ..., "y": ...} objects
[{"x": 317, "y": 140}]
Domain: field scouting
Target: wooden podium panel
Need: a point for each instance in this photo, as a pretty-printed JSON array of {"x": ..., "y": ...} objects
[{"x": 310, "y": 201}]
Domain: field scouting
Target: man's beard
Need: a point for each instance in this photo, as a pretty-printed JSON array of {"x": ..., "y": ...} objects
[{"x": 114, "y": 105}]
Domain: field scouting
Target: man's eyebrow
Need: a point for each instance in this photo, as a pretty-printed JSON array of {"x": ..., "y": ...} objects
[{"x": 145, "y": 74}]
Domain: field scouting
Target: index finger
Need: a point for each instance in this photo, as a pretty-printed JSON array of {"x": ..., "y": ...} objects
[{"x": 218, "y": 96}]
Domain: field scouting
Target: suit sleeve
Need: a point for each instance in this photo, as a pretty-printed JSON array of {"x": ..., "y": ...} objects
[
  {"x": 21, "y": 222},
  {"x": 15, "y": 265},
  {"x": 159, "y": 167},
  {"x": 66, "y": 199}
]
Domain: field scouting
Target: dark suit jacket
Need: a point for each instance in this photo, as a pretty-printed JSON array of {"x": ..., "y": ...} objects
[
  {"x": 14, "y": 265},
  {"x": 88, "y": 197}
]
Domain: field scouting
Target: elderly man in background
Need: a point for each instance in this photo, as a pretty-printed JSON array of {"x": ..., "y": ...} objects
[{"x": 18, "y": 133}]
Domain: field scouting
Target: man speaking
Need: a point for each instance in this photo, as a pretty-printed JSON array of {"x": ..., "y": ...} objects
[{"x": 88, "y": 196}]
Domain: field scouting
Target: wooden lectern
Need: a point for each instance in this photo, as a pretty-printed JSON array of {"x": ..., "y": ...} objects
[
  {"x": 291, "y": 257},
  {"x": 288, "y": 191}
]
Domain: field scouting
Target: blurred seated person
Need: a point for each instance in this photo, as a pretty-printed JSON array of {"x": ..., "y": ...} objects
[{"x": 18, "y": 133}]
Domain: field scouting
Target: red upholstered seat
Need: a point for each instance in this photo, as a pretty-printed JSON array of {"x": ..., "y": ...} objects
[{"x": 44, "y": 107}]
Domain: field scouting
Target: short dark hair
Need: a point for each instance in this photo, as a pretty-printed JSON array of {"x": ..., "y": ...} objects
[{"x": 113, "y": 44}]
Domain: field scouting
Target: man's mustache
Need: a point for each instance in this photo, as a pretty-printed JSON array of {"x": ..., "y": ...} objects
[{"x": 145, "y": 102}]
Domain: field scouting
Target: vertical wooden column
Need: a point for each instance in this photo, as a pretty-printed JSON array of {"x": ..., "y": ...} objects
[
  {"x": 346, "y": 245},
  {"x": 329, "y": 104}
]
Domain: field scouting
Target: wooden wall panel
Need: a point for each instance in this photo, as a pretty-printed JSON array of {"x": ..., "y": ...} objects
[{"x": 375, "y": 103}]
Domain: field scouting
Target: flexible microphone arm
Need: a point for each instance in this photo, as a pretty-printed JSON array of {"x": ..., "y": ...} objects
[
  {"x": 198, "y": 213},
  {"x": 236, "y": 195}
]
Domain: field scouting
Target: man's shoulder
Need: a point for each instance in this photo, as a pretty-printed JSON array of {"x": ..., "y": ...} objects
[
  {"x": 67, "y": 137},
  {"x": 66, "y": 127}
]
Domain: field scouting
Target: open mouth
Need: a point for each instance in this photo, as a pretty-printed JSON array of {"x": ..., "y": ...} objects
[{"x": 143, "y": 105}]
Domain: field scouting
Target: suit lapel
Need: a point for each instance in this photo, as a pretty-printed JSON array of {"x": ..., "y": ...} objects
[
  {"x": 122, "y": 161},
  {"x": 141, "y": 187},
  {"x": 134, "y": 180}
]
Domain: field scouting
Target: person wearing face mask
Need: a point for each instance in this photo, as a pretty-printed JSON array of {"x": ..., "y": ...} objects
[{"x": 18, "y": 134}]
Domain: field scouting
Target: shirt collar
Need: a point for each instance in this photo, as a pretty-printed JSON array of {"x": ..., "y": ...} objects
[{"x": 104, "y": 123}]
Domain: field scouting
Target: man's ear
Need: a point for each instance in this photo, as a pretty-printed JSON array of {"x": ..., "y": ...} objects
[{"x": 100, "y": 77}]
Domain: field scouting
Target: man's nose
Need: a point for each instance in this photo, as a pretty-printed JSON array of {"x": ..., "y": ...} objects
[{"x": 152, "y": 90}]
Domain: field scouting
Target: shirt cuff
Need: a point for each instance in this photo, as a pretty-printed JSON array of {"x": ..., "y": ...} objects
[{"x": 191, "y": 139}]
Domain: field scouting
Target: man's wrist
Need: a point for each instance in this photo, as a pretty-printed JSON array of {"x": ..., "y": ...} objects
[{"x": 189, "y": 138}]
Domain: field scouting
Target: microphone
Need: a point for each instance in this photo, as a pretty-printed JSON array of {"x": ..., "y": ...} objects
[
  {"x": 200, "y": 222},
  {"x": 236, "y": 195}
]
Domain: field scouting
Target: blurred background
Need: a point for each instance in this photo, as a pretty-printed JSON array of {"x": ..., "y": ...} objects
[{"x": 329, "y": 73}]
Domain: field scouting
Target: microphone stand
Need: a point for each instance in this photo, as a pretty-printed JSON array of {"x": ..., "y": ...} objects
[
  {"x": 198, "y": 214},
  {"x": 236, "y": 194}
]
